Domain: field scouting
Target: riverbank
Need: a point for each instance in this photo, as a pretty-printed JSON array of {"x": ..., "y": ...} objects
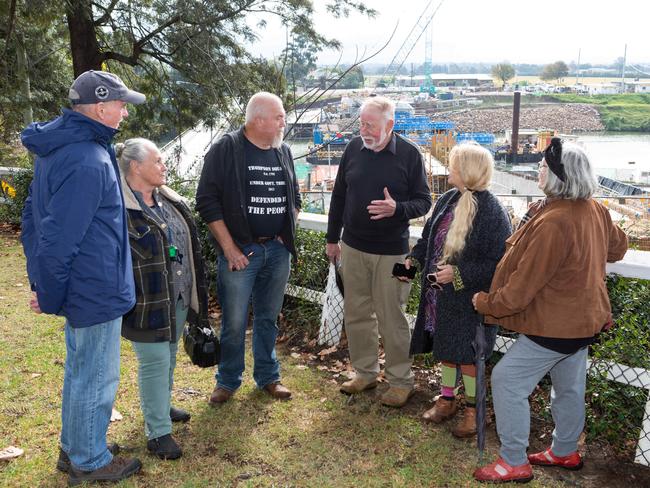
[
  {"x": 563, "y": 117},
  {"x": 625, "y": 112},
  {"x": 566, "y": 113}
]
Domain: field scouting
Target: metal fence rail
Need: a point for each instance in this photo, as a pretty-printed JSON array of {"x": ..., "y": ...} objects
[{"x": 313, "y": 288}]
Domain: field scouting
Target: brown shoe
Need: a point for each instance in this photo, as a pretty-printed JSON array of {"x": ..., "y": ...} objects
[
  {"x": 277, "y": 391},
  {"x": 443, "y": 409},
  {"x": 220, "y": 395},
  {"x": 357, "y": 385},
  {"x": 397, "y": 397},
  {"x": 466, "y": 427},
  {"x": 118, "y": 469}
]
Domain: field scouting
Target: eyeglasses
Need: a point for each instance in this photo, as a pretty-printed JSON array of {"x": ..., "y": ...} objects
[
  {"x": 433, "y": 281},
  {"x": 366, "y": 125}
]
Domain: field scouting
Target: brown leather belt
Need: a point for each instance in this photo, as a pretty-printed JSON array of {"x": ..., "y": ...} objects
[{"x": 262, "y": 240}]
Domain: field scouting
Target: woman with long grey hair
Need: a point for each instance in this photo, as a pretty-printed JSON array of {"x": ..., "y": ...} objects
[
  {"x": 170, "y": 285},
  {"x": 550, "y": 287}
]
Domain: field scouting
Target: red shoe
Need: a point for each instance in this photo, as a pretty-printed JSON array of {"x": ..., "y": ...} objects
[
  {"x": 546, "y": 458},
  {"x": 502, "y": 472}
]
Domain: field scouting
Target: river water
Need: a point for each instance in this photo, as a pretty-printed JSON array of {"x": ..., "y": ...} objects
[{"x": 612, "y": 154}]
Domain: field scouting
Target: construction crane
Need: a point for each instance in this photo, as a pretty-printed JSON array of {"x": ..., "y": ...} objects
[
  {"x": 411, "y": 40},
  {"x": 428, "y": 86}
]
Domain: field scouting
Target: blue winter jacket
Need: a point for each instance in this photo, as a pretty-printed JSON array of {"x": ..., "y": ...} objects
[{"x": 74, "y": 230}]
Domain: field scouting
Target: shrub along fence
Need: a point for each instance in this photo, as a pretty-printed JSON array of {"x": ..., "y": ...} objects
[{"x": 618, "y": 386}]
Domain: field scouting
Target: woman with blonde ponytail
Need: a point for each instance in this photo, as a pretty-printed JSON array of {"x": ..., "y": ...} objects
[{"x": 460, "y": 247}]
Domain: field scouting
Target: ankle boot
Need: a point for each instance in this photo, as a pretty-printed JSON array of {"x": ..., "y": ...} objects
[
  {"x": 443, "y": 409},
  {"x": 466, "y": 427}
]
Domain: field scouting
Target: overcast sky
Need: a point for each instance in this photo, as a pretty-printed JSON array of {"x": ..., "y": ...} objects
[{"x": 517, "y": 31}]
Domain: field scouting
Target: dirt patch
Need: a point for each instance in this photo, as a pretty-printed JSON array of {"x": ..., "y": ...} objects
[{"x": 9, "y": 230}]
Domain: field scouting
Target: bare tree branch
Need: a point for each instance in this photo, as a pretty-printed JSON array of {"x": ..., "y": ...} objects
[
  {"x": 284, "y": 60},
  {"x": 107, "y": 12}
]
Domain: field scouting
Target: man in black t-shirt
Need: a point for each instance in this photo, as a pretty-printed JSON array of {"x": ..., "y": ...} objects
[
  {"x": 380, "y": 185},
  {"x": 248, "y": 195}
]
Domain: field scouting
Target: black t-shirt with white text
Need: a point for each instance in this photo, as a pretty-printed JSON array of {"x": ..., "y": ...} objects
[{"x": 266, "y": 191}]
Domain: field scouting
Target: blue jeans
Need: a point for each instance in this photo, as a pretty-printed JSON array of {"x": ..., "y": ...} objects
[
  {"x": 92, "y": 372},
  {"x": 513, "y": 380},
  {"x": 156, "y": 364},
  {"x": 263, "y": 280}
]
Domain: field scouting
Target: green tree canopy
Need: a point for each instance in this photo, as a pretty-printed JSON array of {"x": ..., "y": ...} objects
[
  {"x": 503, "y": 72},
  {"x": 352, "y": 79},
  {"x": 554, "y": 71},
  {"x": 188, "y": 56},
  {"x": 298, "y": 59},
  {"x": 35, "y": 71}
]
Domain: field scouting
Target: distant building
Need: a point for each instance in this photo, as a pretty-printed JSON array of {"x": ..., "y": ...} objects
[
  {"x": 599, "y": 71},
  {"x": 603, "y": 89},
  {"x": 641, "y": 86},
  {"x": 448, "y": 80}
]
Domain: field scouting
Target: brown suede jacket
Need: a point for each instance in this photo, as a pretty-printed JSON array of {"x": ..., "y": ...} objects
[{"x": 551, "y": 279}]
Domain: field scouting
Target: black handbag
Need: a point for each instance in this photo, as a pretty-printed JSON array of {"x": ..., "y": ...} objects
[{"x": 201, "y": 345}]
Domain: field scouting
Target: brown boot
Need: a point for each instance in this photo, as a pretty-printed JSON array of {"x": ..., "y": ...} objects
[
  {"x": 357, "y": 385},
  {"x": 278, "y": 391},
  {"x": 466, "y": 427},
  {"x": 443, "y": 410},
  {"x": 397, "y": 397},
  {"x": 219, "y": 396}
]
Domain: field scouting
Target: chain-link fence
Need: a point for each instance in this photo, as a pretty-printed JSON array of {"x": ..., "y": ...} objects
[{"x": 618, "y": 387}]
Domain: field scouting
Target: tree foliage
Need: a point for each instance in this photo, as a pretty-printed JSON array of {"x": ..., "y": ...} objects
[
  {"x": 298, "y": 59},
  {"x": 34, "y": 66},
  {"x": 193, "y": 51},
  {"x": 352, "y": 79},
  {"x": 503, "y": 72},
  {"x": 189, "y": 56},
  {"x": 554, "y": 71}
]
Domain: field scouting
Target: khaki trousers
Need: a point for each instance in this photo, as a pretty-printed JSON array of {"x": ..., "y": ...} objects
[{"x": 374, "y": 305}]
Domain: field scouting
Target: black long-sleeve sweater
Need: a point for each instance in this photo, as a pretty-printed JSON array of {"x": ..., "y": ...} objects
[{"x": 362, "y": 176}]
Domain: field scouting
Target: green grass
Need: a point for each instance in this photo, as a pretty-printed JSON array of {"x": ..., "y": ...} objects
[
  {"x": 624, "y": 112},
  {"x": 318, "y": 439}
]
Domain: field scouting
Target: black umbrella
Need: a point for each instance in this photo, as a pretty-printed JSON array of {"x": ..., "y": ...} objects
[{"x": 480, "y": 347}]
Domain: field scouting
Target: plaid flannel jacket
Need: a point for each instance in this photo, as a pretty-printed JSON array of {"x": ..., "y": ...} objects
[{"x": 152, "y": 319}]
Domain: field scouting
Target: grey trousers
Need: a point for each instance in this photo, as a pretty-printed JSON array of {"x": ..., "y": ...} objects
[
  {"x": 514, "y": 379},
  {"x": 374, "y": 304}
]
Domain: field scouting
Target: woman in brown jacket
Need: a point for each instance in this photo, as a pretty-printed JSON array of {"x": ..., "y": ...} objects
[{"x": 550, "y": 287}]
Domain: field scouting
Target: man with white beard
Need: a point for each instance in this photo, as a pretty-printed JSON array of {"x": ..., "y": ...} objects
[
  {"x": 249, "y": 197},
  {"x": 381, "y": 184}
]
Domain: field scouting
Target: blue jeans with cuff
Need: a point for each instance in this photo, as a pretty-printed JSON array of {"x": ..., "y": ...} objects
[
  {"x": 92, "y": 373},
  {"x": 262, "y": 282}
]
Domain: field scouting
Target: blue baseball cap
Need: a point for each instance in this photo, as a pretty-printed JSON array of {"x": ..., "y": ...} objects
[{"x": 99, "y": 86}]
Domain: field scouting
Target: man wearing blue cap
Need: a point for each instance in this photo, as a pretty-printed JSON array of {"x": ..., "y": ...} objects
[{"x": 75, "y": 239}]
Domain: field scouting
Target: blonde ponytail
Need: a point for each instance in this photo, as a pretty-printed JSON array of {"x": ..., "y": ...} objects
[{"x": 474, "y": 166}]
